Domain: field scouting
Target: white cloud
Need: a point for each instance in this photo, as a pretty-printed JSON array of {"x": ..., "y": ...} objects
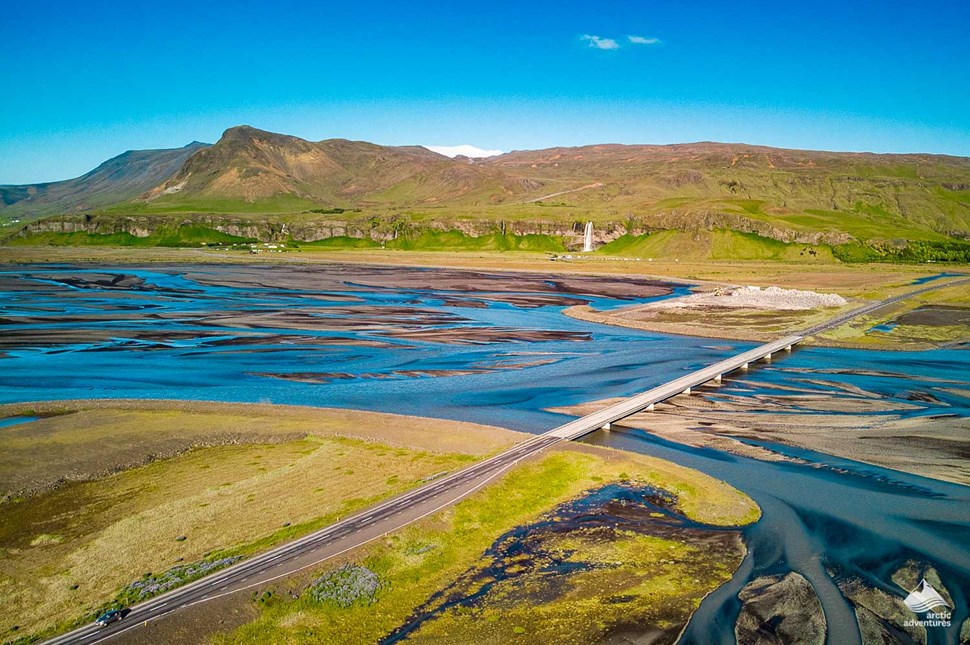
[
  {"x": 467, "y": 150},
  {"x": 643, "y": 40},
  {"x": 600, "y": 43}
]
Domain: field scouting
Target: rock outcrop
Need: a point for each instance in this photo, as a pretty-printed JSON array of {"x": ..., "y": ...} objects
[{"x": 779, "y": 610}]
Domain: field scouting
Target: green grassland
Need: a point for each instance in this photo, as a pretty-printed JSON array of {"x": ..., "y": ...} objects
[
  {"x": 458, "y": 241},
  {"x": 280, "y": 472},
  {"x": 182, "y": 236},
  {"x": 196, "y": 236},
  {"x": 417, "y": 561},
  {"x": 720, "y": 244},
  {"x": 122, "y": 482},
  {"x": 425, "y": 230},
  {"x": 724, "y": 244},
  {"x": 228, "y": 498},
  {"x": 429, "y": 240},
  {"x": 863, "y": 221},
  {"x": 339, "y": 242},
  {"x": 891, "y": 327}
]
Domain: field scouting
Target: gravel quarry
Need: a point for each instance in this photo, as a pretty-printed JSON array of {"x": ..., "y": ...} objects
[{"x": 774, "y": 298}]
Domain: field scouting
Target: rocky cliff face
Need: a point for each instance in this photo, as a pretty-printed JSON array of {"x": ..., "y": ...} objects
[
  {"x": 377, "y": 228},
  {"x": 387, "y": 227},
  {"x": 711, "y": 220}
]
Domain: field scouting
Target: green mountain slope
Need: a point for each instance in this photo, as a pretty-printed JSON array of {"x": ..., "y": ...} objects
[
  {"x": 862, "y": 195},
  {"x": 117, "y": 180}
]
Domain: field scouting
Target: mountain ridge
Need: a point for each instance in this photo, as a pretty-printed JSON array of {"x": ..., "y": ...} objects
[
  {"x": 120, "y": 178},
  {"x": 264, "y": 183},
  {"x": 249, "y": 164}
]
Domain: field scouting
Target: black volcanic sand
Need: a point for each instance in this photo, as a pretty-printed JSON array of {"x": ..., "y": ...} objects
[
  {"x": 936, "y": 316},
  {"x": 123, "y": 297},
  {"x": 492, "y": 286},
  {"x": 148, "y": 339},
  {"x": 843, "y": 420},
  {"x": 327, "y": 377},
  {"x": 582, "y": 558}
]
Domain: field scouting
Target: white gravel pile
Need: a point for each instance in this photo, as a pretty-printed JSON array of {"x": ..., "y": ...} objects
[{"x": 756, "y": 298}]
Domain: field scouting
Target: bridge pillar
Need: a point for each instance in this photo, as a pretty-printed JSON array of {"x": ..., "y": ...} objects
[
  {"x": 687, "y": 391},
  {"x": 717, "y": 379},
  {"x": 768, "y": 357},
  {"x": 649, "y": 408},
  {"x": 607, "y": 426},
  {"x": 745, "y": 366},
  {"x": 788, "y": 348}
]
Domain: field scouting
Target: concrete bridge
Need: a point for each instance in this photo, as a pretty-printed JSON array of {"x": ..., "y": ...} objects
[
  {"x": 683, "y": 385},
  {"x": 645, "y": 401}
]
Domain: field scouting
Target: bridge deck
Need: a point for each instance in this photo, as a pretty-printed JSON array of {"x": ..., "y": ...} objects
[{"x": 589, "y": 423}]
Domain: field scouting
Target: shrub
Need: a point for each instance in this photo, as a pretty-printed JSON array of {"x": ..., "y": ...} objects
[{"x": 348, "y": 585}]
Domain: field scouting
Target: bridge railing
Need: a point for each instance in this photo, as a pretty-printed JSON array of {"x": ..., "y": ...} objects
[{"x": 596, "y": 420}]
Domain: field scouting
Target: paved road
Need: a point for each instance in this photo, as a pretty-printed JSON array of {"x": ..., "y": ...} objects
[
  {"x": 370, "y": 524},
  {"x": 845, "y": 317},
  {"x": 377, "y": 521}
]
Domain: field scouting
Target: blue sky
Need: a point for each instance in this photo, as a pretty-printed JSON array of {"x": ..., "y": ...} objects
[{"x": 84, "y": 81}]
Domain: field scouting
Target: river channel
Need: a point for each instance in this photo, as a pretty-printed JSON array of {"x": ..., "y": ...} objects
[{"x": 496, "y": 349}]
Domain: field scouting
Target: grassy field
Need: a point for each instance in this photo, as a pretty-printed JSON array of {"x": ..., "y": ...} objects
[
  {"x": 929, "y": 320},
  {"x": 445, "y": 241},
  {"x": 414, "y": 563},
  {"x": 720, "y": 244},
  {"x": 199, "y": 236},
  {"x": 421, "y": 231},
  {"x": 181, "y": 236},
  {"x": 863, "y": 222},
  {"x": 152, "y": 486},
  {"x": 458, "y": 241},
  {"x": 121, "y": 483}
]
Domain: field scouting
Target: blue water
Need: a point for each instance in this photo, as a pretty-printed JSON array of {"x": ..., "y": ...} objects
[
  {"x": 885, "y": 328},
  {"x": 234, "y": 333},
  {"x": 12, "y": 421},
  {"x": 831, "y": 512},
  {"x": 932, "y": 382},
  {"x": 938, "y": 276},
  {"x": 198, "y": 366}
]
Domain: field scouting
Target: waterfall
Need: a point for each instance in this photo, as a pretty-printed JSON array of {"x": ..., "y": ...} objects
[{"x": 588, "y": 238}]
